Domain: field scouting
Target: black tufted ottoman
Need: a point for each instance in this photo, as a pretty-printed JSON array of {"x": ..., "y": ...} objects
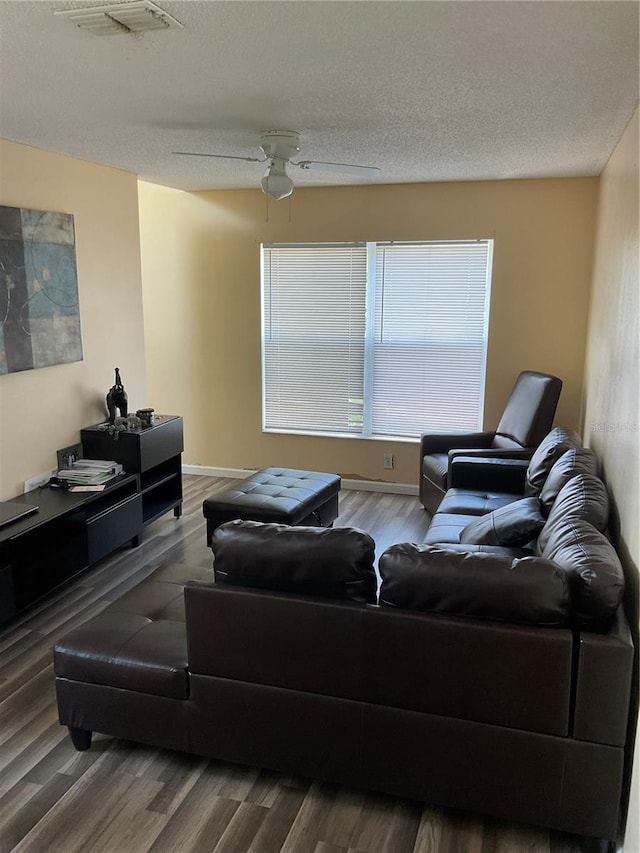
[{"x": 281, "y": 495}]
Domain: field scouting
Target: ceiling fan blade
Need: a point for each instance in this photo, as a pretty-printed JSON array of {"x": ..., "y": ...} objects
[
  {"x": 222, "y": 156},
  {"x": 344, "y": 168}
]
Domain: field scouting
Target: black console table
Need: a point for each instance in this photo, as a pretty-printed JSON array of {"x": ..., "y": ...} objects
[
  {"x": 154, "y": 453},
  {"x": 73, "y": 530},
  {"x": 69, "y": 532}
]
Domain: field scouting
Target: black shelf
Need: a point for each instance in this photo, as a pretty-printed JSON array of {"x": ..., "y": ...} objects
[
  {"x": 154, "y": 453},
  {"x": 73, "y": 530},
  {"x": 154, "y": 510},
  {"x": 159, "y": 480},
  {"x": 69, "y": 533}
]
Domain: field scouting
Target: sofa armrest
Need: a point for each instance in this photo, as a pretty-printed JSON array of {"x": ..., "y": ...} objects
[
  {"x": 603, "y": 684},
  {"x": 444, "y": 442},
  {"x": 488, "y": 473}
]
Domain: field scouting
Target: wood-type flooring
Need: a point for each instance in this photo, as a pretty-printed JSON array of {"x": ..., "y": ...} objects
[{"x": 122, "y": 797}]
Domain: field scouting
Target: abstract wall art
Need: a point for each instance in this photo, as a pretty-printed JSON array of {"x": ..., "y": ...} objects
[{"x": 39, "y": 309}]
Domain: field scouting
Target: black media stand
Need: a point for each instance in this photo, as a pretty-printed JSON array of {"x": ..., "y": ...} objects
[
  {"x": 70, "y": 532},
  {"x": 73, "y": 530},
  {"x": 154, "y": 453}
]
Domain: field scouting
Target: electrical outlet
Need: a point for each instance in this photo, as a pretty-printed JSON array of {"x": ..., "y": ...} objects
[
  {"x": 37, "y": 481},
  {"x": 388, "y": 460}
]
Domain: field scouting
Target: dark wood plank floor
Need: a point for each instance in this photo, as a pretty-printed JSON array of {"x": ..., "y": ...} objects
[{"x": 127, "y": 798}]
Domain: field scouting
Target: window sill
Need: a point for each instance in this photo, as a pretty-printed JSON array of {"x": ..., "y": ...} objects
[{"x": 403, "y": 439}]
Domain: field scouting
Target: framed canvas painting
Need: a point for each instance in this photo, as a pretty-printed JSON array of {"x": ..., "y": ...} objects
[{"x": 39, "y": 308}]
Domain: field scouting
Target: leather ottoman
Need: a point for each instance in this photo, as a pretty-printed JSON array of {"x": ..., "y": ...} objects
[{"x": 281, "y": 495}]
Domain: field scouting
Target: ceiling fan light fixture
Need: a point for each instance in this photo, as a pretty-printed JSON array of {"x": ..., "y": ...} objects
[{"x": 276, "y": 183}]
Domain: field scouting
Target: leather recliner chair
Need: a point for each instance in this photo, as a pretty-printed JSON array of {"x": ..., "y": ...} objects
[{"x": 527, "y": 418}]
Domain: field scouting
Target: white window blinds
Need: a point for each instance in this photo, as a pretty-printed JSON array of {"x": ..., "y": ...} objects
[
  {"x": 374, "y": 339},
  {"x": 313, "y": 337},
  {"x": 431, "y": 313}
]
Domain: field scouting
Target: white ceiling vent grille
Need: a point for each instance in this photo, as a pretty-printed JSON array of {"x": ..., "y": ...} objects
[{"x": 141, "y": 16}]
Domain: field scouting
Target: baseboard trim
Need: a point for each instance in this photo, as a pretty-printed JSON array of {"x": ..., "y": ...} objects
[
  {"x": 380, "y": 486},
  {"x": 355, "y": 485},
  {"x": 206, "y": 471}
]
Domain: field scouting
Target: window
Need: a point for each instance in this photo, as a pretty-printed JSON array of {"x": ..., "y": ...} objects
[{"x": 374, "y": 339}]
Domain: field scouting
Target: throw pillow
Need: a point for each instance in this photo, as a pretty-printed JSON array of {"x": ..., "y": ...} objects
[{"x": 511, "y": 526}]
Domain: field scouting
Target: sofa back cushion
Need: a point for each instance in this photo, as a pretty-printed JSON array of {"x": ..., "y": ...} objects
[
  {"x": 583, "y": 497},
  {"x": 551, "y": 448},
  {"x": 577, "y": 460},
  {"x": 329, "y": 562},
  {"x": 593, "y": 568},
  {"x": 513, "y": 525},
  {"x": 527, "y": 590}
]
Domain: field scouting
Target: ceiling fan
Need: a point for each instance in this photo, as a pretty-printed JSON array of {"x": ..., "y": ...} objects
[{"x": 278, "y": 146}]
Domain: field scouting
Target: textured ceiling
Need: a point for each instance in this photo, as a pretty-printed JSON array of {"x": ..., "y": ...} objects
[{"x": 427, "y": 91}]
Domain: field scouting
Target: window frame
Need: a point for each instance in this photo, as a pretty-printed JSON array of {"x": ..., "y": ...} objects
[{"x": 371, "y": 248}]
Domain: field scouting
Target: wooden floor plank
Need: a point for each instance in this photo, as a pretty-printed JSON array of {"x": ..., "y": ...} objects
[
  {"x": 278, "y": 821},
  {"x": 266, "y": 789},
  {"x": 240, "y": 832},
  {"x": 310, "y": 823},
  {"x": 48, "y": 795},
  {"x": 13, "y": 801},
  {"x": 220, "y": 817},
  {"x": 202, "y": 808},
  {"x": 429, "y": 835},
  {"x": 129, "y": 825},
  {"x": 20, "y": 755},
  {"x": 178, "y": 776},
  {"x": 128, "y": 798},
  {"x": 25, "y": 703},
  {"x": 86, "y": 811}
]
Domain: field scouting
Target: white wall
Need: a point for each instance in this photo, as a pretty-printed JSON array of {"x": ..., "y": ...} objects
[
  {"x": 43, "y": 410},
  {"x": 612, "y": 379}
]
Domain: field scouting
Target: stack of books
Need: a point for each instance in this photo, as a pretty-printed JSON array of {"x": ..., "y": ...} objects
[{"x": 89, "y": 474}]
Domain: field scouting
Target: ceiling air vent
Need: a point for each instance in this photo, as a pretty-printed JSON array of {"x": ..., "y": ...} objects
[{"x": 141, "y": 16}]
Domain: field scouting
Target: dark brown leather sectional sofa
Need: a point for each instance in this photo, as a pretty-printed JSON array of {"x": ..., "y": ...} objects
[{"x": 489, "y": 677}]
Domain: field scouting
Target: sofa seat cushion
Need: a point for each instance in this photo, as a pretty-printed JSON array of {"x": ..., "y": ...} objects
[
  {"x": 446, "y": 527},
  {"x": 474, "y": 502},
  {"x": 513, "y": 525},
  {"x": 527, "y": 591},
  {"x": 138, "y": 642},
  {"x": 129, "y": 651},
  {"x": 328, "y": 562}
]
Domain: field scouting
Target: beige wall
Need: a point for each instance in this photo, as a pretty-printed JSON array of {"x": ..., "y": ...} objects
[
  {"x": 201, "y": 289},
  {"x": 612, "y": 413},
  {"x": 43, "y": 410}
]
